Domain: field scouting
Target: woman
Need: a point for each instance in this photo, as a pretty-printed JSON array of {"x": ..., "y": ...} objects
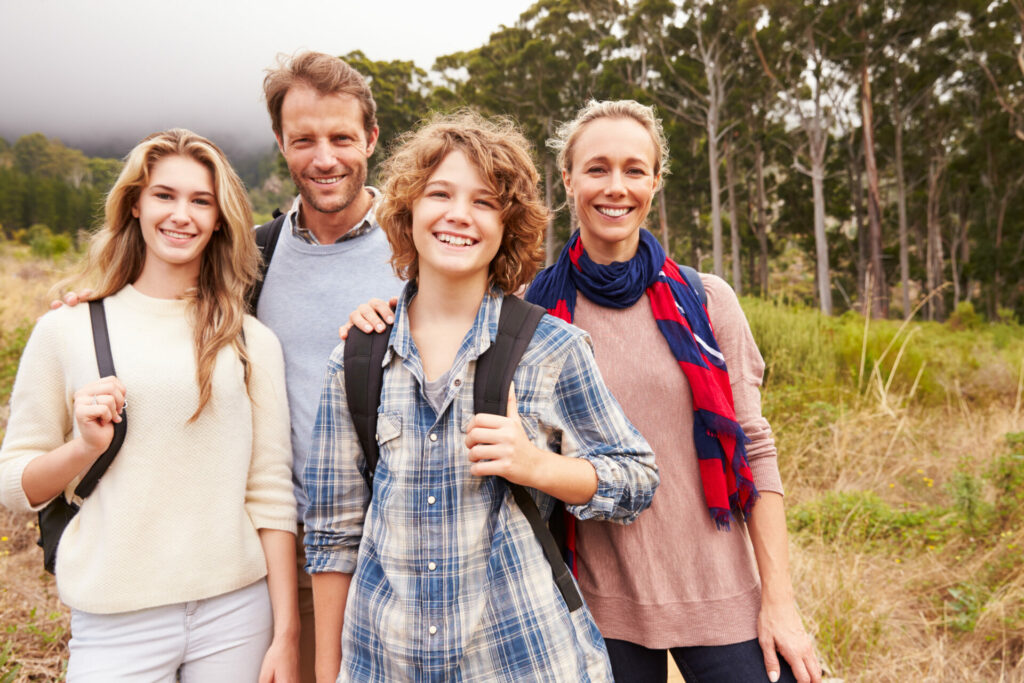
[
  {"x": 435, "y": 573},
  {"x": 704, "y": 574},
  {"x": 164, "y": 565}
]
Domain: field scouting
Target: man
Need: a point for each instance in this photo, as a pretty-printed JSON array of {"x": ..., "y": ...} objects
[{"x": 330, "y": 255}]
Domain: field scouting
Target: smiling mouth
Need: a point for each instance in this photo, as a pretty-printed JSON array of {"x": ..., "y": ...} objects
[
  {"x": 454, "y": 240},
  {"x": 174, "y": 234},
  {"x": 327, "y": 181},
  {"x": 614, "y": 212}
]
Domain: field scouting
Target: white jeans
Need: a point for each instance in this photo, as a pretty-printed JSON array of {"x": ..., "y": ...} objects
[{"x": 217, "y": 640}]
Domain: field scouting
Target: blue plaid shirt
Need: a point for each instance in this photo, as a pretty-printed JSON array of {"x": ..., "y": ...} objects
[{"x": 450, "y": 583}]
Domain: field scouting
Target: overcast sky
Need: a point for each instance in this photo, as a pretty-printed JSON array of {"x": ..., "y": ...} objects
[{"x": 95, "y": 71}]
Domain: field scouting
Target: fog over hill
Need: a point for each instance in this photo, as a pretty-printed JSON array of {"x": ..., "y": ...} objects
[{"x": 102, "y": 74}]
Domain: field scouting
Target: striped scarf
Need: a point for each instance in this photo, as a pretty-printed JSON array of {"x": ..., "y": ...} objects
[{"x": 683, "y": 320}]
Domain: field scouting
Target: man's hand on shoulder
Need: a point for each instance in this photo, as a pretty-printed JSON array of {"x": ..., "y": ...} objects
[{"x": 71, "y": 299}]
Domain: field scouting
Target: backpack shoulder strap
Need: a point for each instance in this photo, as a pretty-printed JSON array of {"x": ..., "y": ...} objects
[
  {"x": 364, "y": 379},
  {"x": 266, "y": 241},
  {"x": 693, "y": 279},
  {"x": 494, "y": 372},
  {"x": 105, "y": 362},
  {"x": 495, "y": 367}
]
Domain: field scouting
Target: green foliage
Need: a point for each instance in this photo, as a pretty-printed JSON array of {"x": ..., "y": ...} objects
[
  {"x": 45, "y": 244},
  {"x": 42, "y": 181},
  {"x": 12, "y": 343},
  {"x": 965, "y": 317},
  {"x": 8, "y": 668},
  {"x": 859, "y": 517}
]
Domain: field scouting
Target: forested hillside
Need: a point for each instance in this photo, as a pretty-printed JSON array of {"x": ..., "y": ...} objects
[{"x": 853, "y": 155}]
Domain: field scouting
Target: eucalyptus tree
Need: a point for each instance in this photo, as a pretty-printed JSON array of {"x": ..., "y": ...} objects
[
  {"x": 540, "y": 71},
  {"x": 796, "y": 47},
  {"x": 698, "y": 50}
]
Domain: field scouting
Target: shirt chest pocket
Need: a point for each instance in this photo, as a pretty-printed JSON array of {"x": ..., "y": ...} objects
[{"x": 389, "y": 431}]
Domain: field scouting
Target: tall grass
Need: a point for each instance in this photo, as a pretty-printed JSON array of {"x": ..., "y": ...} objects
[{"x": 902, "y": 452}]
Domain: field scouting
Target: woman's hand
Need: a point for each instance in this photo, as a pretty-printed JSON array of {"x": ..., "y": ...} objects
[
  {"x": 281, "y": 663},
  {"x": 98, "y": 405},
  {"x": 780, "y": 631},
  {"x": 370, "y": 317}
]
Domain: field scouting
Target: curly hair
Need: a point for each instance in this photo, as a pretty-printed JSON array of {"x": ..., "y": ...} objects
[
  {"x": 564, "y": 140},
  {"x": 229, "y": 263},
  {"x": 502, "y": 156}
]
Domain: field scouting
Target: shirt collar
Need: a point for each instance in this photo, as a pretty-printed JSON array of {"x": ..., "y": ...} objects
[
  {"x": 368, "y": 221},
  {"x": 482, "y": 333}
]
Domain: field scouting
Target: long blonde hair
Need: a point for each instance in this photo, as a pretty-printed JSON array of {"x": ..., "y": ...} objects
[{"x": 229, "y": 263}]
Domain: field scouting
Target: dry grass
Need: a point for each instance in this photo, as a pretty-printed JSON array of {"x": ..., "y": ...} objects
[
  {"x": 924, "y": 599},
  {"x": 25, "y": 282}
]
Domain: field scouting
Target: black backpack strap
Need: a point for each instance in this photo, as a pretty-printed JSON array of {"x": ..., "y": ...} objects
[
  {"x": 105, "y": 362},
  {"x": 364, "y": 379},
  {"x": 693, "y": 279},
  {"x": 266, "y": 241},
  {"x": 494, "y": 372},
  {"x": 497, "y": 365}
]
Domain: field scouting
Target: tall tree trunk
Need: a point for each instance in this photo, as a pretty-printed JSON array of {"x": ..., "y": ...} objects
[
  {"x": 901, "y": 201},
  {"x": 663, "y": 219},
  {"x": 934, "y": 260},
  {"x": 762, "y": 220},
  {"x": 734, "y": 219},
  {"x": 716, "y": 202},
  {"x": 880, "y": 296},
  {"x": 856, "y": 180},
  {"x": 549, "y": 234},
  {"x": 820, "y": 239}
]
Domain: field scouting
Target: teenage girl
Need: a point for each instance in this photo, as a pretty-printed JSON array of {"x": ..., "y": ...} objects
[{"x": 181, "y": 562}]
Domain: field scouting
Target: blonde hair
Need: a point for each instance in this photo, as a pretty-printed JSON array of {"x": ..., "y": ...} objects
[
  {"x": 501, "y": 154},
  {"x": 568, "y": 133},
  {"x": 228, "y": 265}
]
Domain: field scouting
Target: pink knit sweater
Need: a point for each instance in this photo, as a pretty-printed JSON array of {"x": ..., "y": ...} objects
[{"x": 671, "y": 578}]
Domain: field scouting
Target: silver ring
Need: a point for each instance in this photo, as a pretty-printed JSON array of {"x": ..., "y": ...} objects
[{"x": 94, "y": 401}]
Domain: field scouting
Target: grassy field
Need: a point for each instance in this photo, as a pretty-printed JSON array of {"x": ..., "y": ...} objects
[{"x": 902, "y": 453}]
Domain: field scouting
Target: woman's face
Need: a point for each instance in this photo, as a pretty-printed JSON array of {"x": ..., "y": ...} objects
[
  {"x": 611, "y": 185},
  {"x": 456, "y": 224},
  {"x": 178, "y": 214}
]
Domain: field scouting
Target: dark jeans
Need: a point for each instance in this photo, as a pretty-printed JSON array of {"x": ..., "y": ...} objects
[{"x": 739, "y": 663}]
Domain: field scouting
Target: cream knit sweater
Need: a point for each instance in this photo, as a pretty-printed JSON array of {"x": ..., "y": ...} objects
[{"x": 175, "y": 518}]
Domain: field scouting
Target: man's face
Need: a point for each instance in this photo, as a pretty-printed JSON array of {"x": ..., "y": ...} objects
[{"x": 326, "y": 149}]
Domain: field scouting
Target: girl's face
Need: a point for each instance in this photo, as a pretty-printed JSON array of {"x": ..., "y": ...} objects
[
  {"x": 611, "y": 185},
  {"x": 456, "y": 224},
  {"x": 178, "y": 214}
]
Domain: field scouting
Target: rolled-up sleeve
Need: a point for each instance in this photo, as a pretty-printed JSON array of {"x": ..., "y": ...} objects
[
  {"x": 595, "y": 428},
  {"x": 333, "y": 480}
]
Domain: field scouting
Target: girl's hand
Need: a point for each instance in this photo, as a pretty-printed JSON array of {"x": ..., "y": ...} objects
[
  {"x": 98, "y": 405},
  {"x": 281, "y": 663},
  {"x": 498, "y": 445}
]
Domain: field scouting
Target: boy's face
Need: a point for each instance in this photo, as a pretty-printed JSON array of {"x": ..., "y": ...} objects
[{"x": 456, "y": 224}]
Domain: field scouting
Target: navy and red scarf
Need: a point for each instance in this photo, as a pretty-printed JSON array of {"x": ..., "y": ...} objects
[{"x": 683, "y": 320}]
